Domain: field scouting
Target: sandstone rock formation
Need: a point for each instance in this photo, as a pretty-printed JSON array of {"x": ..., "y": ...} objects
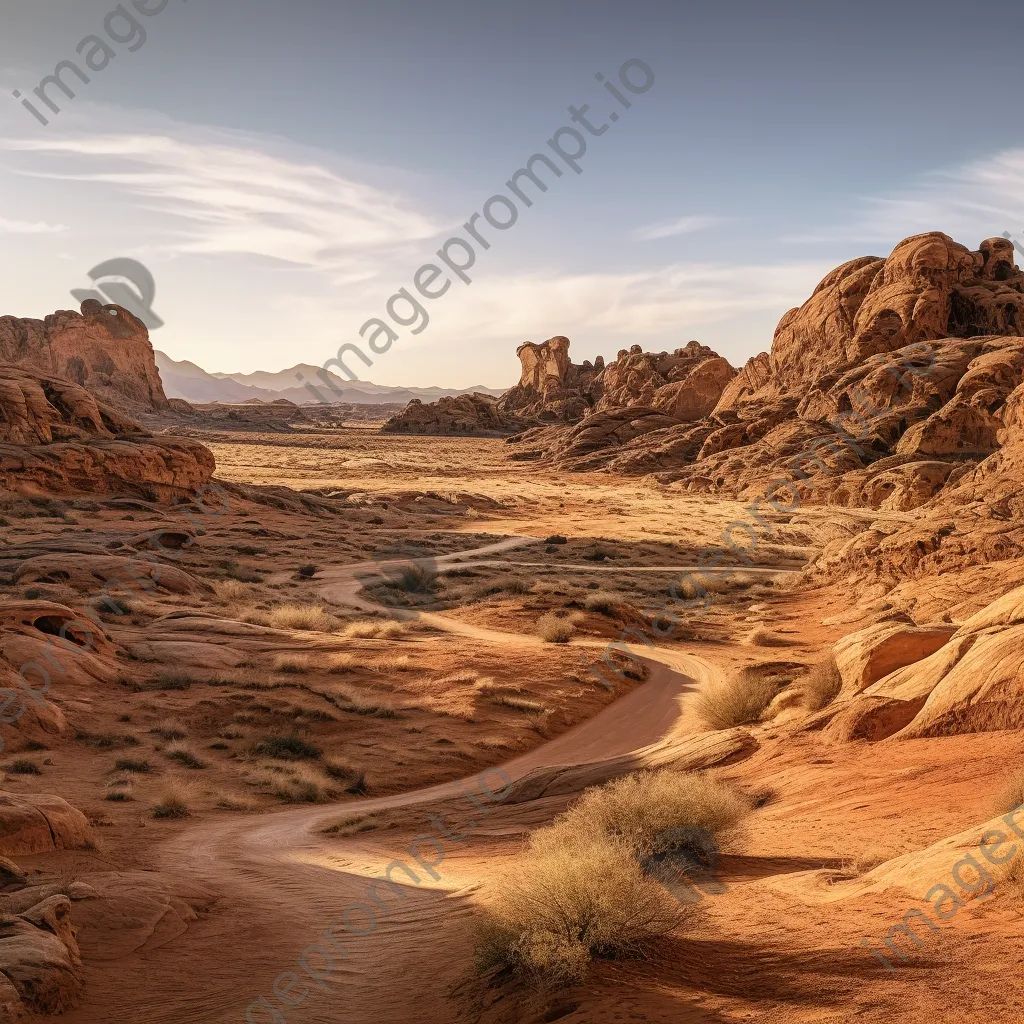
[
  {"x": 884, "y": 389},
  {"x": 105, "y": 349},
  {"x": 56, "y": 437},
  {"x": 551, "y": 387},
  {"x": 461, "y": 414},
  {"x": 37, "y": 822}
]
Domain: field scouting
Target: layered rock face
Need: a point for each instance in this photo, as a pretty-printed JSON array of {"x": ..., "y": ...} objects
[
  {"x": 475, "y": 414},
  {"x": 58, "y": 438},
  {"x": 105, "y": 349},
  {"x": 887, "y": 385},
  {"x": 551, "y": 387}
]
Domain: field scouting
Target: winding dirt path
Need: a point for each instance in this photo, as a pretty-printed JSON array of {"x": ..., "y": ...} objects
[{"x": 279, "y": 884}]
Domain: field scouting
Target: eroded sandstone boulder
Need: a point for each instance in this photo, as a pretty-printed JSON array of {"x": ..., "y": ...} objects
[
  {"x": 105, "y": 349},
  {"x": 58, "y": 438}
]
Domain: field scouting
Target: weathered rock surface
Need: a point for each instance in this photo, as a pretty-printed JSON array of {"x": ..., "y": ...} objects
[
  {"x": 38, "y": 822},
  {"x": 885, "y": 389},
  {"x": 104, "y": 349},
  {"x": 475, "y": 414},
  {"x": 58, "y": 438},
  {"x": 40, "y": 962},
  {"x": 551, "y": 387}
]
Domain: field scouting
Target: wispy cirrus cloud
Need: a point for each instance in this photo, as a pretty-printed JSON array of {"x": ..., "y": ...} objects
[
  {"x": 225, "y": 193},
  {"x": 29, "y": 227},
  {"x": 970, "y": 202},
  {"x": 683, "y": 226}
]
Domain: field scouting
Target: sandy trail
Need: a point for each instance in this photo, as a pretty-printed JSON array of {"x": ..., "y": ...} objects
[{"x": 280, "y": 884}]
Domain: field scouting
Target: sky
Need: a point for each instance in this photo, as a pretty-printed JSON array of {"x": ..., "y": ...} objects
[{"x": 284, "y": 168}]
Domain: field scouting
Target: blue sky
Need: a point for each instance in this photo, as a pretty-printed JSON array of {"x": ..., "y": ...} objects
[{"x": 283, "y": 168}]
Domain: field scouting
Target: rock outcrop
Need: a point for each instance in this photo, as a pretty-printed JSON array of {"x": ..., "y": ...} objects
[
  {"x": 551, "y": 387},
  {"x": 104, "y": 349},
  {"x": 56, "y": 437},
  {"x": 884, "y": 389},
  {"x": 475, "y": 414}
]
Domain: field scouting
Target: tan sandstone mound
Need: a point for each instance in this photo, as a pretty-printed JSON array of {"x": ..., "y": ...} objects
[
  {"x": 56, "y": 437},
  {"x": 105, "y": 349}
]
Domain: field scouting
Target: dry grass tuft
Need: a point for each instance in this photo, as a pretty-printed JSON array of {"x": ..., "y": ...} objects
[
  {"x": 564, "y": 908},
  {"x": 739, "y": 700},
  {"x": 185, "y": 755},
  {"x": 554, "y": 630},
  {"x": 1013, "y": 877},
  {"x": 301, "y": 616},
  {"x": 233, "y": 590},
  {"x": 374, "y": 629},
  {"x": 170, "y": 729},
  {"x": 580, "y": 891},
  {"x": 822, "y": 685},
  {"x": 341, "y": 663},
  {"x": 760, "y": 636},
  {"x": 603, "y": 601},
  {"x": 173, "y": 800},
  {"x": 647, "y": 810},
  {"x": 296, "y": 663}
]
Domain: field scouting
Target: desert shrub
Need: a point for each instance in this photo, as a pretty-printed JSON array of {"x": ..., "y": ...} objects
[
  {"x": 107, "y": 740},
  {"x": 374, "y": 629},
  {"x": 301, "y": 616},
  {"x": 1012, "y": 794},
  {"x": 23, "y": 766},
  {"x": 554, "y": 629},
  {"x": 237, "y": 803},
  {"x": 285, "y": 748},
  {"x": 602, "y": 601},
  {"x": 307, "y": 571},
  {"x": 119, "y": 795},
  {"x": 564, "y": 907},
  {"x": 760, "y": 636},
  {"x": 232, "y": 590},
  {"x": 649, "y": 811},
  {"x": 556, "y": 539},
  {"x": 172, "y": 801},
  {"x": 173, "y": 679},
  {"x": 169, "y": 729},
  {"x": 822, "y": 684},
  {"x": 129, "y": 764},
  {"x": 294, "y": 663},
  {"x": 185, "y": 755},
  {"x": 738, "y": 700}
]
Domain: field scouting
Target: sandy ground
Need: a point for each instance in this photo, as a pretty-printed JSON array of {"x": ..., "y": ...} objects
[{"x": 786, "y": 939}]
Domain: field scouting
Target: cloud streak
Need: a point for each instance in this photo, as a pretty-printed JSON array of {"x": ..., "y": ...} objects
[
  {"x": 25, "y": 227},
  {"x": 232, "y": 195},
  {"x": 973, "y": 201},
  {"x": 683, "y": 226}
]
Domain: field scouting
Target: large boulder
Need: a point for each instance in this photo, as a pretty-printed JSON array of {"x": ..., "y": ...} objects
[
  {"x": 105, "y": 349},
  {"x": 38, "y": 823},
  {"x": 56, "y": 437}
]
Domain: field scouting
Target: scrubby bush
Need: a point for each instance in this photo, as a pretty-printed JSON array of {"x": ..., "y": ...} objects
[
  {"x": 285, "y": 748},
  {"x": 301, "y": 616},
  {"x": 173, "y": 801},
  {"x": 554, "y": 629},
  {"x": 565, "y": 907},
  {"x": 580, "y": 891},
  {"x": 23, "y": 766},
  {"x": 738, "y": 700},
  {"x": 822, "y": 684}
]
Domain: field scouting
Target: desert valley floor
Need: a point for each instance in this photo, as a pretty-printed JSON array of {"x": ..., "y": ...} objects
[{"x": 315, "y": 677}]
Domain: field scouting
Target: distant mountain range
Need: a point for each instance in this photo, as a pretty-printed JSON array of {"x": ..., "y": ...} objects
[{"x": 182, "y": 379}]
